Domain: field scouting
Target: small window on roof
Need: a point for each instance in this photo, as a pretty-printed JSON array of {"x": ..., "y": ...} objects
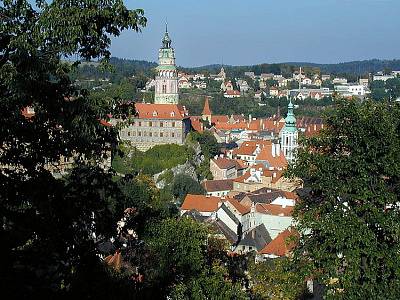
[
  {"x": 154, "y": 113},
  {"x": 172, "y": 114}
]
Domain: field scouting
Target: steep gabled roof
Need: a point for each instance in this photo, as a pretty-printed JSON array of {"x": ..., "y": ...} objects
[
  {"x": 282, "y": 244},
  {"x": 225, "y": 163},
  {"x": 274, "y": 209},
  {"x": 257, "y": 237},
  {"x": 206, "y": 109},
  {"x": 218, "y": 185},
  {"x": 277, "y": 161},
  {"x": 240, "y": 208},
  {"x": 200, "y": 203}
]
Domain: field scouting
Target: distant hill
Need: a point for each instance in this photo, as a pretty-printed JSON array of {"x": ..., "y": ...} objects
[
  {"x": 122, "y": 68},
  {"x": 354, "y": 67},
  {"x": 128, "y": 67}
]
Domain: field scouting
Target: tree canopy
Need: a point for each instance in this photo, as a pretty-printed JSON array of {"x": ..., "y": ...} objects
[
  {"x": 349, "y": 214},
  {"x": 50, "y": 225}
]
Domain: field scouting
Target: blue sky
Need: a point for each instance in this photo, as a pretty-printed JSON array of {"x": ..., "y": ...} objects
[{"x": 244, "y": 32}]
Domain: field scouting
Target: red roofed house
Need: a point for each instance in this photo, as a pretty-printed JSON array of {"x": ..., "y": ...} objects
[
  {"x": 218, "y": 188},
  {"x": 281, "y": 245},
  {"x": 258, "y": 176},
  {"x": 272, "y": 157},
  {"x": 249, "y": 150},
  {"x": 204, "y": 205},
  {"x": 156, "y": 124},
  {"x": 225, "y": 168},
  {"x": 232, "y": 94}
]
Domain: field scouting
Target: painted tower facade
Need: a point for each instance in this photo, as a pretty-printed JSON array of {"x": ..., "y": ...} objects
[
  {"x": 166, "y": 88},
  {"x": 289, "y": 135}
]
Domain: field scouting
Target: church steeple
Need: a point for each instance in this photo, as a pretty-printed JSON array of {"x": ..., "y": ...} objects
[
  {"x": 206, "y": 114},
  {"x": 166, "y": 40}
]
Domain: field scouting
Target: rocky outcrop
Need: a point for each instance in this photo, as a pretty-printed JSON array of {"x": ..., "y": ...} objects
[{"x": 188, "y": 168}]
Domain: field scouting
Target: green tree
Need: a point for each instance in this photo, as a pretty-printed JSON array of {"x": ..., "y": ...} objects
[
  {"x": 178, "y": 250},
  {"x": 49, "y": 224},
  {"x": 348, "y": 214},
  {"x": 273, "y": 279},
  {"x": 183, "y": 185},
  {"x": 214, "y": 284}
]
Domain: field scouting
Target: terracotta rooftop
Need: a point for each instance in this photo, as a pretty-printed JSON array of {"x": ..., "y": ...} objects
[
  {"x": 277, "y": 161},
  {"x": 196, "y": 123},
  {"x": 274, "y": 209},
  {"x": 249, "y": 147},
  {"x": 219, "y": 119},
  {"x": 160, "y": 111},
  {"x": 282, "y": 244},
  {"x": 200, "y": 203},
  {"x": 239, "y": 207},
  {"x": 218, "y": 185},
  {"x": 225, "y": 163}
]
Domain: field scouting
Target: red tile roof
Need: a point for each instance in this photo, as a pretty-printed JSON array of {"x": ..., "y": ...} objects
[
  {"x": 206, "y": 109},
  {"x": 249, "y": 147},
  {"x": 200, "y": 203},
  {"x": 218, "y": 185},
  {"x": 274, "y": 209},
  {"x": 238, "y": 206},
  {"x": 225, "y": 163},
  {"x": 219, "y": 119},
  {"x": 196, "y": 123},
  {"x": 160, "y": 111},
  {"x": 278, "y": 161},
  {"x": 282, "y": 244}
]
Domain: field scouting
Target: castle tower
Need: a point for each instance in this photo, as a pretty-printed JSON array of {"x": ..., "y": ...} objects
[
  {"x": 166, "y": 89},
  {"x": 289, "y": 135}
]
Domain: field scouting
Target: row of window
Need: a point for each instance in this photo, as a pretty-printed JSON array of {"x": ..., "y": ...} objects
[
  {"x": 150, "y": 134},
  {"x": 155, "y": 124}
]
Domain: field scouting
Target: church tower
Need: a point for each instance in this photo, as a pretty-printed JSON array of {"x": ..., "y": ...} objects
[
  {"x": 206, "y": 114},
  {"x": 289, "y": 135},
  {"x": 166, "y": 89}
]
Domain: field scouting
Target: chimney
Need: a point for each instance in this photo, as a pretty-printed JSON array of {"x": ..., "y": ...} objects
[{"x": 250, "y": 118}]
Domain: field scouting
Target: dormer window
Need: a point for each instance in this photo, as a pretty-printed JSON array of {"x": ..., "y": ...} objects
[
  {"x": 154, "y": 114},
  {"x": 172, "y": 114}
]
